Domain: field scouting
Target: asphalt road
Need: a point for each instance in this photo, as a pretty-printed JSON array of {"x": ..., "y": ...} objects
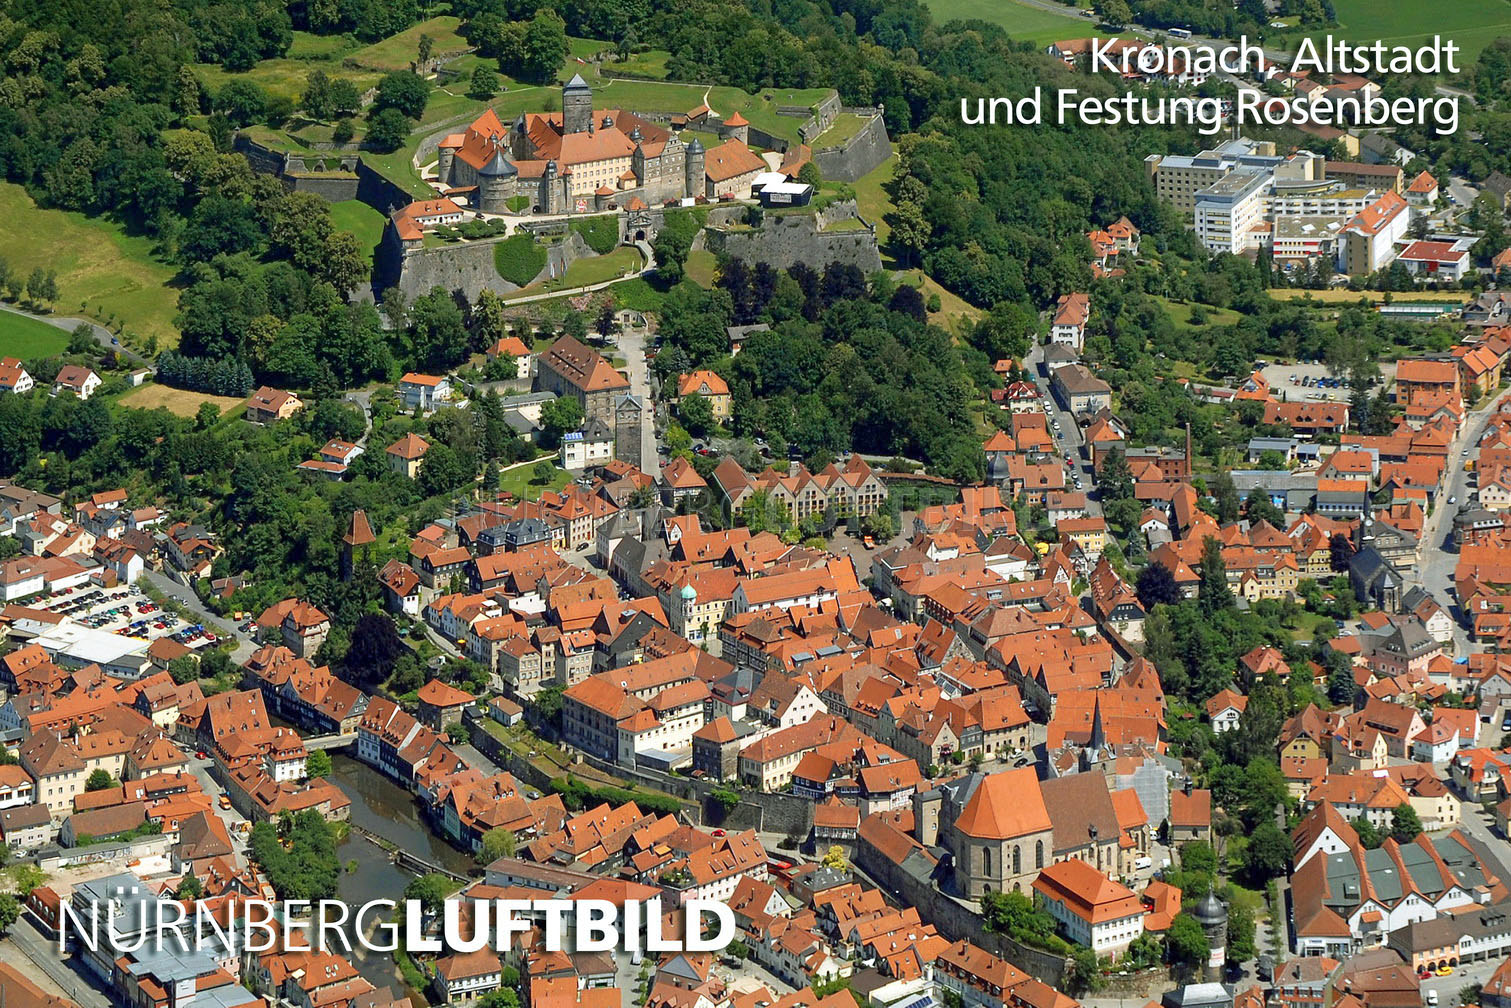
[
  {"x": 185, "y": 595},
  {"x": 1069, "y": 440},
  {"x": 43, "y": 953},
  {"x": 104, "y": 337},
  {"x": 632, "y": 343},
  {"x": 1439, "y": 556}
]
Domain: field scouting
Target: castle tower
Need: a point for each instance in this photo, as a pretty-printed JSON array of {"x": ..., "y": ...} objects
[
  {"x": 1213, "y": 918},
  {"x": 637, "y": 157},
  {"x": 495, "y": 183},
  {"x": 629, "y": 414},
  {"x": 696, "y": 183},
  {"x": 576, "y": 106},
  {"x": 443, "y": 166},
  {"x": 736, "y": 127},
  {"x": 552, "y": 199},
  {"x": 358, "y": 536}
]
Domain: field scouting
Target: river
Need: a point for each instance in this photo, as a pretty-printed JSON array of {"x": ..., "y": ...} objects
[{"x": 381, "y": 806}]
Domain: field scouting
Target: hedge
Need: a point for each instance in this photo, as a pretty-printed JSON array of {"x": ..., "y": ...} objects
[
  {"x": 601, "y": 233},
  {"x": 519, "y": 259},
  {"x": 576, "y": 794}
]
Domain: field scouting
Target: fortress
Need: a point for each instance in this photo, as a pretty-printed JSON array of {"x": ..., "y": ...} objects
[{"x": 583, "y": 161}]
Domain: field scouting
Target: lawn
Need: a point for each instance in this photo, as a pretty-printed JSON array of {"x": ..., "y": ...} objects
[
  {"x": 397, "y": 52},
  {"x": 1473, "y": 24},
  {"x": 179, "y": 402},
  {"x": 1180, "y": 314},
  {"x": 520, "y": 481},
  {"x": 840, "y": 132},
  {"x": 872, "y": 200},
  {"x": 651, "y": 63},
  {"x": 103, "y": 273},
  {"x": 284, "y": 78},
  {"x": 361, "y": 220},
  {"x": 586, "y": 272},
  {"x": 952, "y": 308},
  {"x": 27, "y": 338},
  {"x": 701, "y": 266},
  {"x": 1342, "y": 295},
  {"x": 1023, "y": 23},
  {"x": 309, "y": 46}
]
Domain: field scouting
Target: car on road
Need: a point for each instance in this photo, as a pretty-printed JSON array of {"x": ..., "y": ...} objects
[
  {"x": 1464, "y": 453},
  {"x": 1445, "y": 971},
  {"x": 1453, "y": 500},
  {"x": 225, "y": 802},
  {"x": 868, "y": 542}
]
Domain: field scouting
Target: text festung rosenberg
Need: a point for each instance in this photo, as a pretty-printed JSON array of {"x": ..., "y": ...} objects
[{"x": 1329, "y": 57}]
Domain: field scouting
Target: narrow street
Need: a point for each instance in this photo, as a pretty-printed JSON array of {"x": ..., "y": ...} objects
[
  {"x": 632, "y": 344},
  {"x": 1439, "y": 556},
  {"x": 1069, "y": 439}
]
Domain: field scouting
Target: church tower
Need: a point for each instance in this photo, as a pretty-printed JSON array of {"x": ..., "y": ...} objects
[{"x": 576, "y": 106}]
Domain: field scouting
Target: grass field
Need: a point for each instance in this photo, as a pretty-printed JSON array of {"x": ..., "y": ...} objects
[
  {"x": 1023, "y": 23},
  {"x": 651, "y": 63},
  {"x": 701, "y": 267},
  {"x": 309, "y": 46},
  {"x": 1473, "y": 24},
  {"x": 26, "y": 337},
  {"x": 951, "y": 307},
  {"x": 873, "y": 202},
  {"x": 284, "y": 78},
  {"x": 586, "y": 272},
  {"x": 179, "y": 402},
  {"x": 521, "y": 481},
  {"x": 1342, "y": 295},
  {"x": 397, "y": 52},
  {"x": 102, "y": 272},
  {"x": 1180, "y": 314},
  {"x": 361, "y": 220},
  {"x": 840, "y": 131}
]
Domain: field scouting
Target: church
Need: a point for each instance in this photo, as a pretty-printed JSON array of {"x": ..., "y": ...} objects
[{"x": 582, "y": 160}]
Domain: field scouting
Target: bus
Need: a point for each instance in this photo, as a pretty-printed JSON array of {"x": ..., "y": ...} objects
[{"x": 1180, "y": 33}]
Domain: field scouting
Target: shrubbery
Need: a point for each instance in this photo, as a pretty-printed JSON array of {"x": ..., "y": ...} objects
[
  {"x": 519, "y": 259},
  {"x": 601, "y": 233}
]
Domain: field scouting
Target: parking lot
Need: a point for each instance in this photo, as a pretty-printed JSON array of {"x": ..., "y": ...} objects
[
  {"x": 1303, "y": 381},
  {"x": 126, "y": 611}
]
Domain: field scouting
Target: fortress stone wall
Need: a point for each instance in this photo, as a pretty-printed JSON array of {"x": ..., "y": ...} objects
[
  {"x": 859, "y": 156},
  {"x": 786, "y": 239}
]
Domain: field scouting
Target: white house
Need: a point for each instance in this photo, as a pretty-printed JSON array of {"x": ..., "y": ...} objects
[
  {"x": 81, "y": 381},
  {"x": 424, "y": 391},
  {"x": 468, "y": 976},
  {"x": 13, "y": 377},
  {"x": 1068, "y": 327},
  {"x": 1224, "y": 710},
  {"x": 1090, "y": 908},
  {"x": 592, "y": 445}
]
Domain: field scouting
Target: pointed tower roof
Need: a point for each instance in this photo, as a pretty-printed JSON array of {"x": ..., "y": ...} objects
[
  {"x": 498, "y": 165},
  {"x": 361, "y": 533},
  {"x": 577, "y": 84}
]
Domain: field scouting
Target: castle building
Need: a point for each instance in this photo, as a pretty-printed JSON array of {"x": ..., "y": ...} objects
[{"x": 575, "y": 161}]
